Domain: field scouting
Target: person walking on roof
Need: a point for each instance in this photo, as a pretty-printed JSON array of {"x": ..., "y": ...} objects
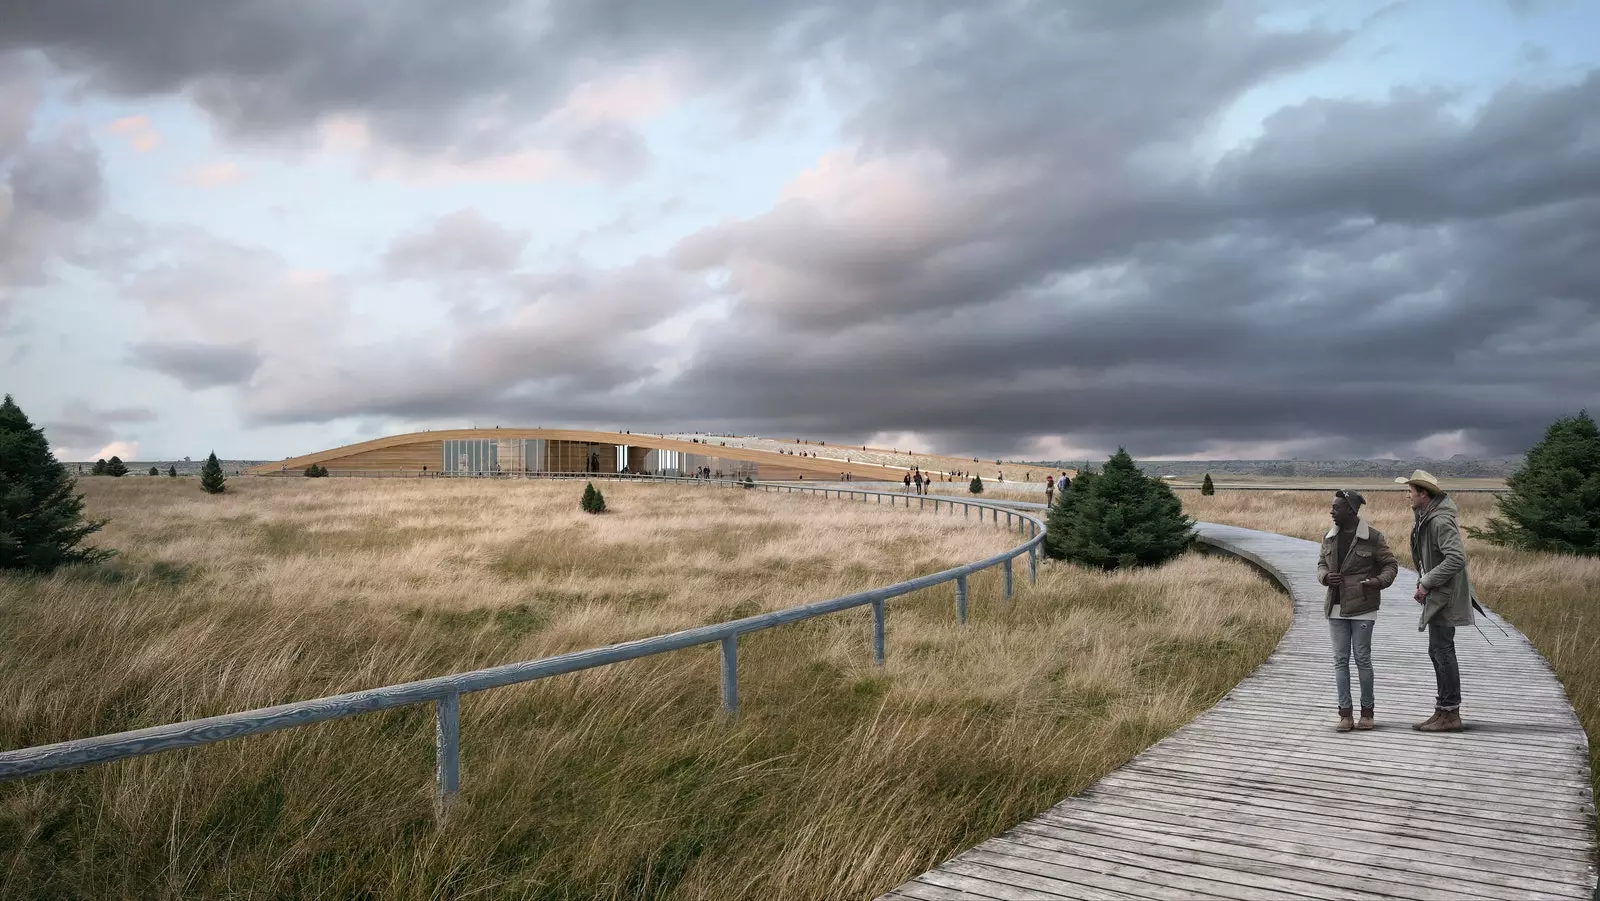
[
  {"x": 1443, "y": 590},
  {"x": 1356, "y": 565}
]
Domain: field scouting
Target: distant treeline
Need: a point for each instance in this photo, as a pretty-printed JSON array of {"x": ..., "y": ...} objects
[{"x": 1457, "y": 469}]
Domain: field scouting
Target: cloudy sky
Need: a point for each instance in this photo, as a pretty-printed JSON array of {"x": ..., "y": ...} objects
[{"x": 1202, "y": 229}]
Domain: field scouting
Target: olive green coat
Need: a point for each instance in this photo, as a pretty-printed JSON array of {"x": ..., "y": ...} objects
[
  {"x": 1441, "y": 559},
  {"x": 1368, "y": 557}
]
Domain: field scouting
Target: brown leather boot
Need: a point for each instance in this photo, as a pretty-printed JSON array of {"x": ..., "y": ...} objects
[
  {"x": 1345, "y": 723},
  {"x": 1365, "y": 722},
  {"x": 1448, "y": 721},
  {"x": 1427, "y": 723}
]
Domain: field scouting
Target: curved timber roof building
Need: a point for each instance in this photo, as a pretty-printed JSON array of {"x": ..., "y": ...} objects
[{"x": 513, "y": 452}]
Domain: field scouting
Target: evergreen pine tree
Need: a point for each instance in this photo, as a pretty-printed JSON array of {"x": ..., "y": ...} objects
[
  {"x": 99, "y": 467},
  {"x": 154, "y": 471},
  {"x": 977, "y": 485},
  {"x": 1554, "y": 501},
  {"x": 593, "y": 501},
  {"x": 1206, "y": 488},
  {"x": 749, "y": 482},
  {"x": 172, "y": 472},
  {"x": 115, "y": 466},
  {"x": 212, "y": 481},
  {"x": 41, "y": 519},
  {"x": 1123, "y": 518}
]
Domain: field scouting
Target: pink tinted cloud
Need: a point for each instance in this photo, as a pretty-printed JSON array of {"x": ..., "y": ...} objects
[
  {"x": 137, "y": 131},
  {"x": 214, "y": 175}
]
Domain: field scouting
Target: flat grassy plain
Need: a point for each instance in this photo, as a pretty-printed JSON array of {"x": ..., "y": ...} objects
[
  {"x": 1553, "y": 599},
  {"x": 838, "y": 779}
]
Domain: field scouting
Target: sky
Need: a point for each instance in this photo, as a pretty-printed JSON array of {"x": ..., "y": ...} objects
[{"x": 1039, "y": 230}]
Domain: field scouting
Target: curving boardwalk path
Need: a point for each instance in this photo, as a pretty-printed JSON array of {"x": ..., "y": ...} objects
[{"x": 1259, "y": 797}]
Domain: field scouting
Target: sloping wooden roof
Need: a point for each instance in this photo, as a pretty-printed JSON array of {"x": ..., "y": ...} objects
[{"x": 820, "y": 466}]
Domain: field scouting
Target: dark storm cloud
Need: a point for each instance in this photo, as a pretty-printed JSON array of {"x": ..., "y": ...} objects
[
  {"x": 199, "y": 365},
  {"x": 84, "y": 428},
  {"x": 1019, "y": 239},
  {"x": 50, "y": 184},
  {"x": 427, "y": 75}
]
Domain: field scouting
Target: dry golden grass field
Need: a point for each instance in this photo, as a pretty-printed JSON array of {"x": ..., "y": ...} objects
[
  {"x": 838, "y": 779},
  {"x": 1553, "y": 599}
]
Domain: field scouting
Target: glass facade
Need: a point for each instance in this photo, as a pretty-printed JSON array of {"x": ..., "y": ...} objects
[
  {"x": 520, "y": 456},
  {"x": 471, "y": 456}
]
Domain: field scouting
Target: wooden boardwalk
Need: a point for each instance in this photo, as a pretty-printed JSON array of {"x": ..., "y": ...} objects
[{"x": 1260, "y": 798}]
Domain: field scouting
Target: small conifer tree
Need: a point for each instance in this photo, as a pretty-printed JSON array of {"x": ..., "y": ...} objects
[
  {"x": 99, "y": 467},
  {"x": 172, "y": 472},
  {"x": 1554, "y": 501},
  {"x": 1206, "y": 488},
  {"x": 212, "y": 481},
  {"x": 593, "y": 501},
  {"x": 41, "y": 519},
  {"x": 154, "y": 471},
  {"x": 977, "y": 485},
  {"x": 1123, "y": 518},
  {"x": 115, "y": 467},
  {"x": 749, "y": 482}
]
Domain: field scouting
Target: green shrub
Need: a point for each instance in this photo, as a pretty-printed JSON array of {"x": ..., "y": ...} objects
[
  {"x": 154, "y": 471},
  {"x": 115, "y": 467},
  {"x": 977, "y": 485},
  {"x": 99, "y": 468},
  {"x": 1118, "y": 517},
  {"x": 749, "y": 482},
  {"x": 1554, "y": 501},
  {"x": 593, "y": 501},
  {"x": 41, "y": 520},
  {"x": 1206, "y": 488},
  {"x": 212, "y": 481},
  {"x": 172, "y": 472}
]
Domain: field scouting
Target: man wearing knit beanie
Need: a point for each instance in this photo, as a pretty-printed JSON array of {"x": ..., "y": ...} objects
[{"x": 1356, "y": 565}]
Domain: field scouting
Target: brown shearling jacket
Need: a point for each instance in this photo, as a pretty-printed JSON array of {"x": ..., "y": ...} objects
[{"x": 1369, "y": 557}]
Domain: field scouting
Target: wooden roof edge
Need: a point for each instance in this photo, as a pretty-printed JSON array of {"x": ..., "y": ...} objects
[{"x": 808, "y": 464}]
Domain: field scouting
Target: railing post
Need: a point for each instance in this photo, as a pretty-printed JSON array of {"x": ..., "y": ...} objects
[
  {"x": 961, "y": 600},
  {"x": 447, "y": 752},
  {"x": 730, "y": 675},
  {"x": 1033, "y": 565},
  {"x": 877, "y": 633},
  {"x": 1007, "y": 566},
  {"x": 1022, "y": 525},
  {"x": 922, "y": 502}
]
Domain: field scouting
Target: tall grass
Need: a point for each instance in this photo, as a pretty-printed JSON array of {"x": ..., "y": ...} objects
[
  {"x": 838, "y": 779},
  {"x": 1553, "y": 599}
]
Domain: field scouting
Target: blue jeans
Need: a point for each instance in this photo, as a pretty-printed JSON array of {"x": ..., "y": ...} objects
[{"x": 1352, "y": 637}]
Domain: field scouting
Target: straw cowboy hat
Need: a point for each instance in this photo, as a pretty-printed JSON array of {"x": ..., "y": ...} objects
[{"x": 1422, "y": 480}]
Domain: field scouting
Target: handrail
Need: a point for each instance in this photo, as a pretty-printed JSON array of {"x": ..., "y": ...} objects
[{"x": 446, "y": 691}]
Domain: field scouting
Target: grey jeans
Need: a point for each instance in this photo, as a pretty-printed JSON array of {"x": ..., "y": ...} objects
[{"x": 1352, "y": 638}]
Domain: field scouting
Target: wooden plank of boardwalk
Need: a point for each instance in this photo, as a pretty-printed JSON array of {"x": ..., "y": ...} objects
[{"x": 1260, "y": 798}]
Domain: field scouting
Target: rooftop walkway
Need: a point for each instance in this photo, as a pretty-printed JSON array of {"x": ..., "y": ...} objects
[{"x": 1260, "y": 798}]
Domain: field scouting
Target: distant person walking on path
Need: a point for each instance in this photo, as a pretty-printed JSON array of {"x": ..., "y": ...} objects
[
  {"x": 1049, "y": 490},
  {"x": 1443, "y": 590},
  {"x": 908, "y": 483},
  {"x": 1356, "y": 565}
]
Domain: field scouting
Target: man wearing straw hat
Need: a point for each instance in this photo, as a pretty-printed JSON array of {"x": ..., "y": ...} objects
[{"x": 1443, "y": 591}]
